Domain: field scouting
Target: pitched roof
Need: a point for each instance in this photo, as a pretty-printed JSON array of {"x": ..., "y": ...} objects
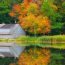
[
  {"x": 6, "y": 29},
  {"x": 7, "y": 26}
]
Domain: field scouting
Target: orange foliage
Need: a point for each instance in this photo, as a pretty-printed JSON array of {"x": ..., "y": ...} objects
[
  {"x": 16, "y": 8},
  {"x": 30, "y": 19},
  {"x": 20, "y": 18},
  {"x": 30, "y": 0},
  {"x": 12, "y": 64},
  {"x": 12, "y": 14},
  {"x": 26, "y": 2},
  {"x": 34, "y": 56},
  {"x": 37, "y": 24}
]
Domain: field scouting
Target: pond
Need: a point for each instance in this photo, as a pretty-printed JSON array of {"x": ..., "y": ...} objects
[
  {"x": 7, "y": 60},
  {"x": 57, "y": 56}
]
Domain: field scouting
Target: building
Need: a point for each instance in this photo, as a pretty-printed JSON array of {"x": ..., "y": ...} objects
[{"x": 10, "y": 31}]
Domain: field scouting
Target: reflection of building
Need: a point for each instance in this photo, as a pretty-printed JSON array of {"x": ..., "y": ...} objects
[{"x": 10, "y": 31}]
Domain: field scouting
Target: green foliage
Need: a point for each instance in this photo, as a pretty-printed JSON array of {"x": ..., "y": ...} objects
[
  {"x": 5, "y": 7},
  {"x": 63, "y": 10},
  {"x": 46, "y": 9},
  {"x": 9, "y": 2},
  {"x": 57, "y": 25},
  {"x": 5, "y": 18},
  {"x": 63, "y": 5},
  {"x": 51, "y": 9}
]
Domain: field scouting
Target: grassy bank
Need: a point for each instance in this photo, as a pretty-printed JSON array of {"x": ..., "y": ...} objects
[{"x": 57, "y": 41}]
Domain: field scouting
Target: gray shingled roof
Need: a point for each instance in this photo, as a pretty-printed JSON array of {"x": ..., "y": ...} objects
[
  {"x": 6, "y": 29},
  {"x": 7, "y": 26}
]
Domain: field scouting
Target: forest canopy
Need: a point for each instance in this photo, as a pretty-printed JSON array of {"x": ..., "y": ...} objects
[{"x": 53, "y": 9}]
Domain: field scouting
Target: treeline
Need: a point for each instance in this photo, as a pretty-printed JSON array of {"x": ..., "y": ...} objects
[
  {"x": 5, "y": 8},
  {"x": 53, "y": 9}
]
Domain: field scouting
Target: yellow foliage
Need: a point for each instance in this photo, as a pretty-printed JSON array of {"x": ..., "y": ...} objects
[
  {"x": 54, "y": 7},
  {"x": 32, "y": 23},
  {"x": 30, "y": 19}
]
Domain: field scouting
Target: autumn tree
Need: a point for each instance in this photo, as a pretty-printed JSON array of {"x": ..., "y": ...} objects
[{"x": 30, "y": 18}]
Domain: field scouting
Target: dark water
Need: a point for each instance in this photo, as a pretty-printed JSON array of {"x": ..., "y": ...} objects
[
  {"x": 57, "y": 57},
  {"x": 7, "y": 60}
]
